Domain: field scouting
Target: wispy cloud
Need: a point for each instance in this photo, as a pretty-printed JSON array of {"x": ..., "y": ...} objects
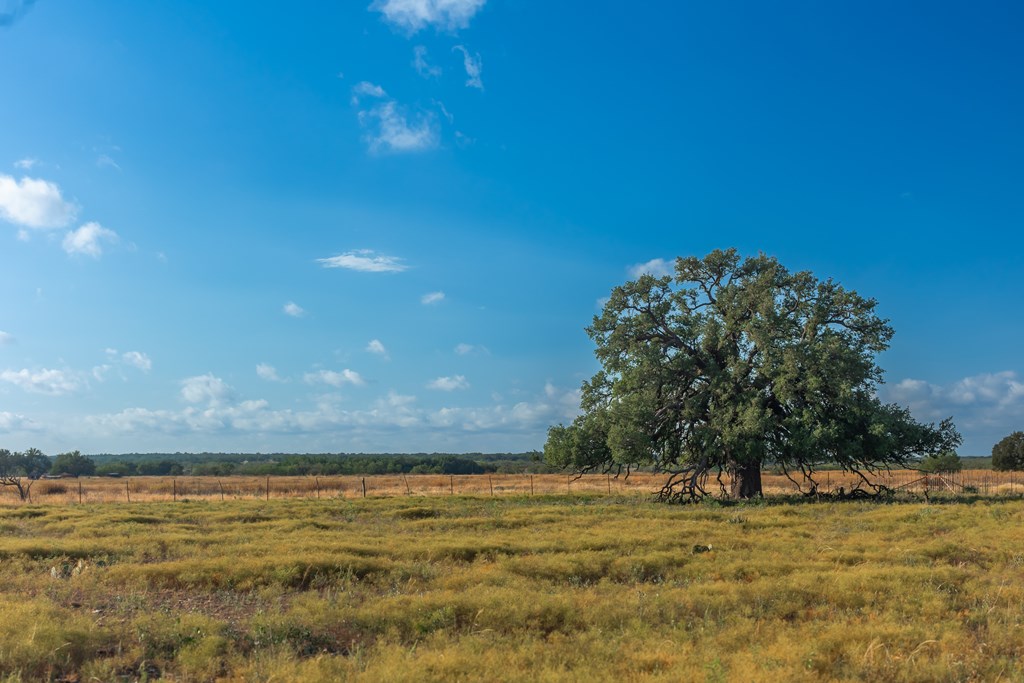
[
  {"x": 294, "y": 310},
  {"x": 473, "y": 67},
  {"x": 45, "y": 381},
  {"x": 137, "y": 359},
  {"x": 657, "y": 267},
  {"x": 267, "y": 372},
  {"x": 422, "y": 66},
  {"x": 392, "y": 130},
  {"x": 414, "y": 15},
  {"x": 26, "y": 164},
  {"x": 367, "y": 89},
  {"x": 448, "y": 383},
  {"x": 34, "y": 203},
  {"x": 6, "y": 338},
  {"x": 464, "y": 349},
  {"x": 376, "y": 347},
  {"x": 432, "y": 298},
  {"x": 104, "y": 161},
  {"x": 86, "y": 240},
  {"x": 12, "y": 10},
  {"x": 335, "y": 379},
  {"x": 366, "y": 261}
]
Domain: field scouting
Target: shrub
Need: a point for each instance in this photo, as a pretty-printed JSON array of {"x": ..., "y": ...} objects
[{"x": 943, "y": 462}]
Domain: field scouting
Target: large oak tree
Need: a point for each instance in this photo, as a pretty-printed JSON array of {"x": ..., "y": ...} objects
[{"x": 732, "y": 365}]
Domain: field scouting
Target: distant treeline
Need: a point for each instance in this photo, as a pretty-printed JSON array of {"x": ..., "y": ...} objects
[{"x": 224, "y": 464}]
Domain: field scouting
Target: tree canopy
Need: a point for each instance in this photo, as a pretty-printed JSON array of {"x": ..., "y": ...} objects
[
  {"x": 733, "y": 364},
  {"x": 1008, "y": 454}
]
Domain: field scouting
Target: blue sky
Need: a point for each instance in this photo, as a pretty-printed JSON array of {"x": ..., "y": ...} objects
[{"x": 383, "y": 227}]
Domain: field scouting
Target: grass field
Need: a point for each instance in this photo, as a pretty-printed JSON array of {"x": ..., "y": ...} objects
[{"x": 515, "y": 588}]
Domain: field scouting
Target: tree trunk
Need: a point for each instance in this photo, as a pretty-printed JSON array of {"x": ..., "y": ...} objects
[{"x": 746, "y": 480}]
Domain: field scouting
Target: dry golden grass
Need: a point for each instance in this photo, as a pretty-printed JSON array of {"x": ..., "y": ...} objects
[
  {"x": 548, "y": 588},
  {"x": 151, "y": 489}
]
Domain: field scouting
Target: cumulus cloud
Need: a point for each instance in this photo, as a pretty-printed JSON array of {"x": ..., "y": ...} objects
[
  {"x": 985, "y": 407},
  {"x": 86, "y": 240},
  {"x": 412, "y": 16},
  {"x": 335, "y": 379},
  {"x": 267, "y": 372},
  {"x": 657, "y": 267},
  {"x": 46, "y": 381},
  {"x": 448, "y": 383},
  {"x": 366, "y": 261},
  {"x": 34, "y": 203},
  {"x": 422, "y": 66},
  {"x": 294, "y": 310},
  {"x": 12, "y": 10},
  {"x": 207, "y": 389},
  {"x": 432, "y": 298},
  {"x": 15, "y": 422},
  {"x": 376, "y": 347},
  {"x": 473, "y": 67}
]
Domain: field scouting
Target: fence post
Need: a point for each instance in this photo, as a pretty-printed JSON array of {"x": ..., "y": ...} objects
[
  {"x": 79, "y": 491},
  {"x": 364, "y": 487},
  {"x": 221, "y": 485},
  {"x": 127, "y": 491},
  {"x": 317, "y": 480},
  {"x": 408, "y": 490},
  {"x": 174, "y": 490},
  {"x": 268, "y": 488},
  {"x": 609, "y": 483},
  {"x": 531, "y": 484},
  {"x": 490, "y": 483},
  {"x": 568, "y": 481},
  {"x": 451, "y": 484}
]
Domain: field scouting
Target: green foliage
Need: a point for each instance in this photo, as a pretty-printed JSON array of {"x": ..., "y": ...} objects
[
  {"x": 1008, "y": 454},
  {"x": 943, "y": 462},
  {"x": 73, "y": 463},
  {"x": 733, "y": 364}
]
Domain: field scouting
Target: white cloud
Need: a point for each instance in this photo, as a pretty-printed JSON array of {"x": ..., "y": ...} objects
[
  {"x": 267, "y": 372},
  {"x": 422, "y": 66},
  {"x": 138, "y": 360},
  {"x": 414, "y": 15},
  {"x": 984, "y": 407},
  {"x": 365, "y": 260},
  {"x": 6, "y": 338},
  {"x": 205, "y": 389},
  {"x": 367, "y": 89},
  {"x": 448, "y": 383},
  {"x": 657, "y": 267},
  {"x": 45, "y": 381},
  {"x": 377, "y": 347},
  {"x": 391, "y": 130},
  {"x": 294, "y": 310},
  {"x": 464, "y": 349},
  {"x": 26, "y": 164},
  {"x": 432, "y": 298},
  {"x": 86, "y": 240},
  {"x": 335, "y": 379},
  {"x": 34, "y": 203},
  {"x": 473, "y": 67},
  {"x": 14, "y": 422}
]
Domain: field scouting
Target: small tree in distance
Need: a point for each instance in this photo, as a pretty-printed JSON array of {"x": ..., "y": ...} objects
[
  {"x": 1008, "y": 454},
  {"x": 942, "y": 463},
  {"x": 734, "y": 364},
  {"x": 74, "y": 463}
]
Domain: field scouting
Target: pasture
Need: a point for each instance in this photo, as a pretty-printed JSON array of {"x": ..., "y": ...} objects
[{"x": 552, "y": 587}]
